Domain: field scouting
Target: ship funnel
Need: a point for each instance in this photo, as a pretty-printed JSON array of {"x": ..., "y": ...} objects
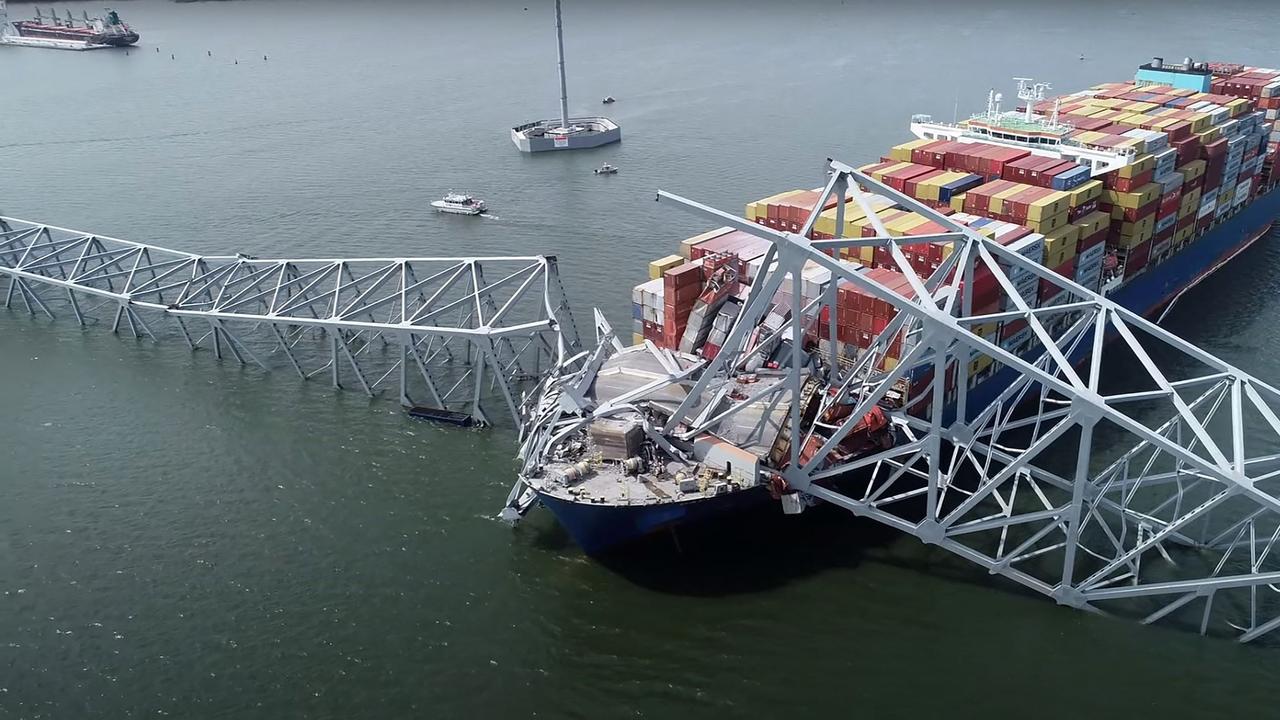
[
  {"x": 1187, "y": 63},
  {"x": 1157, "y": 63}
]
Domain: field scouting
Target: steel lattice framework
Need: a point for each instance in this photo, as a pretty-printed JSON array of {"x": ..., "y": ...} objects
[
  {"x": 1159, "y": 501},
  {"x": 448, "y": 332}
]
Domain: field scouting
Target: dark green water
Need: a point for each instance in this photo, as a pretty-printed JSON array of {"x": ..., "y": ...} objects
[{"x": 187, "y": 538}]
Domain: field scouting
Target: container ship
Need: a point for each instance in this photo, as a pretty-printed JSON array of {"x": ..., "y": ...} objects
[
  {"x": 1136, "y": 190},
  {"x": 52, "y": 32}
]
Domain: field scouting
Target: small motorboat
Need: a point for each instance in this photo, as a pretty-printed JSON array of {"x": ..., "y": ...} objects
[
  {"x": 608, "y": 100},
  {"x": 459, "y": 204},
  {"x": 606, "y": 169}
]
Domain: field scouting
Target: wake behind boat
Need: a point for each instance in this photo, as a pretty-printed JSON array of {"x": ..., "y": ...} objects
[{"x": 459, "y": 204}]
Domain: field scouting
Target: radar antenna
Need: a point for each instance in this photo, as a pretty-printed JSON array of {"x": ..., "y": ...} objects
[{"x": 1031, "y": 92}]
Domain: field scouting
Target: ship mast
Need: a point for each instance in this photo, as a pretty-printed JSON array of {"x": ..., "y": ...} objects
[{"x": 564, "y": 91}]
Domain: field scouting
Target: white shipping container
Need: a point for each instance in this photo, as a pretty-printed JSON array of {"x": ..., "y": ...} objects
[
  {"x": 1091, "y": 255},
  {"x": 1207, "y": 207},
  {"x": 1169, "y": 181},
  {"x": 1018, "y": 340}
]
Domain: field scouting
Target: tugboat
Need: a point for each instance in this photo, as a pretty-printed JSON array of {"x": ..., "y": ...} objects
[
  {"x": 606, "y": 169},
  {"x": 459, "y": 204},
  {"x": 66, "y": 34}
]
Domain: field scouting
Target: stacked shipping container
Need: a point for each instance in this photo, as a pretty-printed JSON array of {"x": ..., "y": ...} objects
[{"x": 1197, "y": 156}]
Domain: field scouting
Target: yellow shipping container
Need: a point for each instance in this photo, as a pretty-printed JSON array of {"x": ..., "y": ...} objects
[
  {"x": 1107, "y": 102},
  {"x": 1136, "y": 119},
  {"x": 826, "y": 222},
  {"x": 957, "y": 202},
  {"x": 1199, "y": 122},
  {"x": 985, "y": 329},
  {"x": 1140, "y": 165},
  {"x": 1132, "y": 200},
  {"x": 997, "y": 201},
  {"x": 902, "y": 225},
  {"x": 1184, "y": 234},
  {"x": 1208, "y": 135},
  {"x": 879, "y": 174},
  {"x": 1139, "y": 106},
  {"x": 1047, "y": 224},
  {"x": 1136, "y": 144},
  {"x": 1051, "y": 204},
  {"x": 1092, "y": 223},
  {"x": 1190, "y": 203},
  {"x": 686, "y": 246},
  {"x": 1236, "y": 106},
  {"x": 637, "y": 338},
  {"x": 759, "y": 209},
  {"x": 1193, "y": 169},
  {"x": 1089, "y": 136},
  {"x": 902, "y": 153},
  {"x": 1144, "y": 227},
  {"x": 661, "y": 265},
  {"x": 1091, "y": 190},
  {"x": 930, "y": 189},
  {"x": 1060, "y": 245}
]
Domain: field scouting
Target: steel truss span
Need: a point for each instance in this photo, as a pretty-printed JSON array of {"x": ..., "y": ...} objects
[
  {"x": 1158, "y": 499},
  {"x": 457, "y": 333}
]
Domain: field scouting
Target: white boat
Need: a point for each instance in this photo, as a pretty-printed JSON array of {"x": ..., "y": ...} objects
[
  {"x": 459, "y": 204},
  {"x": 608, "y": 100},
  {"x": 606, "y": 169}
]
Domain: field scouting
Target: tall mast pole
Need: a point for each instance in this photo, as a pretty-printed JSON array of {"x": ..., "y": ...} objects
[{"x": 564, "y": 91}]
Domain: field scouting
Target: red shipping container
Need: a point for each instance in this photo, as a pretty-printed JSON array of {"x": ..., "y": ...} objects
[
  {"x": 1081, "y": 210},
  {"x": 1169, "y": 203},
  {"x": 1066, "y": 270},
  {"x": 1048, "y": 174},
  {"x": 1080, "y": 122},
  {"x": 1114, "y": 182},
  {"x": 1097, "y": 238},
  {"x": 1137, "y": 258},
  {"x": 912, "y": 186},
  {"x": 897, "y": 179},
  {"x": 933, "y": 154}
]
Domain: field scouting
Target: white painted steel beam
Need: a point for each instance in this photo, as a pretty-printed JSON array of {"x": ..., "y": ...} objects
[
  {"x": 1087, "y": 495},
  {"x": 365, "y": 319}
]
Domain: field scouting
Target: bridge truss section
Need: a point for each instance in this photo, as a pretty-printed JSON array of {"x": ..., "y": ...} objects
[
  {"x": 1118, "y": 469},
  {"x": 464, "y": 334}
]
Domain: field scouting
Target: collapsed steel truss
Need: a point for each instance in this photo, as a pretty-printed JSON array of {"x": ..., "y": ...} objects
[
  {"x": 452, "y": 333},
  {"x": 1061, "y": 484}
]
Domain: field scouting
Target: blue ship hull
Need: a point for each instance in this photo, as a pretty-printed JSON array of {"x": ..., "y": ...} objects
[{"x": 598, "y": 528}]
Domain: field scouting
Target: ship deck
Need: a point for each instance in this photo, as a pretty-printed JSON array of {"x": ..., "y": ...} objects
[{"x": 742, "y": 438}]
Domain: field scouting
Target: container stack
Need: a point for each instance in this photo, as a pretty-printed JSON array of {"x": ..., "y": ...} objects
[{"x": 1197, "y": 157}]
